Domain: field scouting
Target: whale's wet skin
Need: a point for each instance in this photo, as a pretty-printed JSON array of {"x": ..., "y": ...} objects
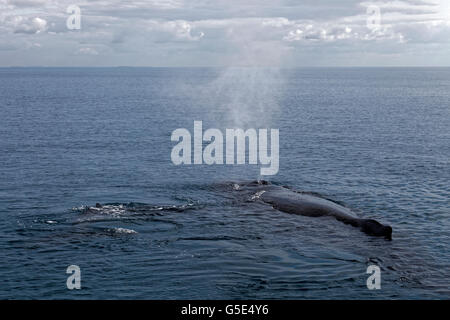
[
  {"x": 284, "y": 199},
  {"x": 374, "y": 141}
]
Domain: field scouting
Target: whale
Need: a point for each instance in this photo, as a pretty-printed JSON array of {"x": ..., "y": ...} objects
[{"x": 286, "y": 200}]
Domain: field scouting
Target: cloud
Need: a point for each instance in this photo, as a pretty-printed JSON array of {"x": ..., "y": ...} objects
[
  {"x": 88, "y": 51},
  {"x": 224, "y": 32},
  {"x": 27, "y": 3},
  {"x": 400, "y": 21},
  {"x": 28, "y": 25},
  {"x": 180, "y": 29}
]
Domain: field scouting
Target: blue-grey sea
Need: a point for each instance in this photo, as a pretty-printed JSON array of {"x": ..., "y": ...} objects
[{"x": 376, "y": 140}]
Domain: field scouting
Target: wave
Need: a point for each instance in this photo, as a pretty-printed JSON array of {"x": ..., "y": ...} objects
[{"x": 132, "y": 210}]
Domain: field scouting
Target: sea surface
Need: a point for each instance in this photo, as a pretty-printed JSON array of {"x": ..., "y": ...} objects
[{"x": 376, "y": 140}]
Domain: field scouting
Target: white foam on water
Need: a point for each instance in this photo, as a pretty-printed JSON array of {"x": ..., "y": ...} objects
[{"x": 123, "y": 231}]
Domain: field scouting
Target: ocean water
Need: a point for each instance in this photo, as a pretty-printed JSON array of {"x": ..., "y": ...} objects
[{"x": 374, "y": 139}]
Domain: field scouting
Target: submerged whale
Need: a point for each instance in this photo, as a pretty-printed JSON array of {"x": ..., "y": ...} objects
[{"x": 290, "y": 201}]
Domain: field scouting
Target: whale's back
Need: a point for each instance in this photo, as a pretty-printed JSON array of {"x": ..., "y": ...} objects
[{"x": 305, "y": 204}]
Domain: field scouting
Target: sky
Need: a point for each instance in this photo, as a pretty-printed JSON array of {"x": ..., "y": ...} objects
[{"x": 173, "y": 33}]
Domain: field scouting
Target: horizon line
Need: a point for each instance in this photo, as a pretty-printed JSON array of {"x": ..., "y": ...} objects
[{"x": 193, "y": 67}]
